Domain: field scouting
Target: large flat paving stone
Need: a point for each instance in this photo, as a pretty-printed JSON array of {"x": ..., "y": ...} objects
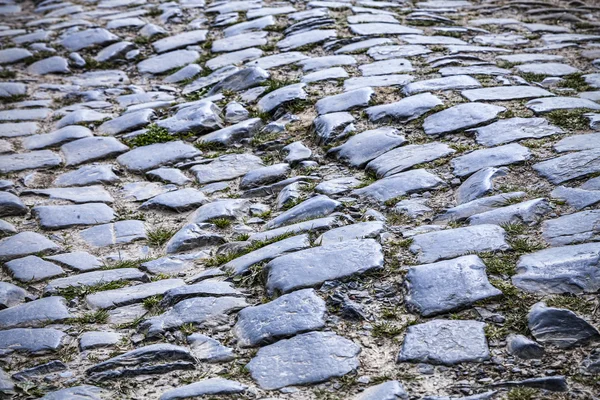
[
  {"x": 304, "y": 359},
  {"x": 402, "y": 158},
  {"x": 315, "y": 207},
  {"x": 59, "y": 217},
  {"x": 559, "y": 327},
  {"x": 451, "y": 243},
  {"x": 570, "y": 166},
  {"x": 448, "y": 285},
  {"x": 414, "y": 181},
  {"x": 556, "y": 270},
  {"x": 35, "y": 314},
  {"x": 155, "y": 155},
  {"x": 33, "y": 269},
  {"x": 32, "y": 341},
  {"x": 572, "y": 228},
  {"x": 311, "y": 267},
  {"x": 514, "y": 129},
  {"x": 503, "y": 93},
  {"x": 32, "y": 160},
  {"x": 368, "y": 145},
  {"x": 95, "y": 278},
  {"x": 460, "y": 117},
  {"x": 493, "y": 157},
  {"x": 12, "y": 295},
  {"x": 24, "y": 244},
  {"x": 445, "y": 342},
  {"x": 226, "y": 168},
  {"x": 206, "y": 387},
  {"x": 92, "y": 149},
  {"x": 298, "y": 312},
  {"x": 131, "y": 294}
]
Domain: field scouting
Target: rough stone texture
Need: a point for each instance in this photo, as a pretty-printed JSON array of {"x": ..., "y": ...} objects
[{"x": 559, "y": 327}]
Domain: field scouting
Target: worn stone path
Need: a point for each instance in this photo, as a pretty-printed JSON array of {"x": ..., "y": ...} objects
[{"x": 313, "y": 199}]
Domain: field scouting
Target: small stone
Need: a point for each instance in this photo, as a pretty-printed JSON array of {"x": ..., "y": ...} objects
[
  {"x": 35, "y": 314},
  {"x": 493, "y": 157},
  {"x": 559, "y": 327},
  {"x": 207, "y": 387},
  {"x": 523, "y": 347}
]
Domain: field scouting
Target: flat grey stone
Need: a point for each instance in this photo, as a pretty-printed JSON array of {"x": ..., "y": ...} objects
[
  {"x": 493, "y": 157},
  {"x": 479, "y": 184},
  {"x": 502, "y": 93},
  {"x": 87, "y": 175},
  {"x": 547, "y": 68},
  {"x": 88, "y": 38},
  {"x": 196, "y": 311},
  {"x": 25, "y": 243},
  {"x": 450, "y": 243},
  {"x": 30, "y": 341},
  {"x": 460, "y": 117},
  {"x": 13, "y": 55},
  {"x": 185, "y": 73},
  {"x": 169, "y": 175},
  {"x": 377, "y": 81},
  {"x": 529, "y": 58},
  {"x": 227, "y": 167},
  {"x": 179, "y": 41},
  {"x": 557, "y": 270},
  {"x": 308, "y": 358},
  {"x": 12, "y": 295},
  {"x": 234, "y": 133},
  {"x": 105, "y": 78},
  {"x": 456, "y": 82},
  {"x": 209, "y": 350},
  {"x": 406, "y": 109},
  {"x": 345, "y": 101},
  {"x": 155, "y": 155},
  {"x": 319, "y": 63},
  {"x": 127, "y": 122},
  {"x": 280, "y": 96},
  {"x": 87, "y": 194},
  {"x": 578, "y": 142},
  {"x": 211, "y": 79},
  {"x": 82, "y": 116},
  {"x": 140, "y": 191},
  {"x": 368, "y": 145},
  {"x": 313, "y": 36},
  {"x": 206, "y": 387},
  {"x": 288, "y": 315},
  {"x": 94, "y": 340},
  {"x": 10, "y": 89},
  {"x": 513, "y": 129},
  {"x": 152, "y": 359},
  {"x": 315, "y": 207},
  {"x": 475, "y": 69},
  {"x": 131, "y": 294},
  {"x": 16, "y": 129},
  {"x": 527, "y": 213},
  {"x": 31, "y": 160},
  {"x": 395, "y": 51},
  {"x": 178, "y": 200},
  {"x": 523, "y": 347},
  {"x": 35, "y": 314},
  {"x": 118, "y": 233},
  {"x": 205, "y": 288},
  {"x": 278, "y": 60},
  {"x": 78, "y": 260},
  {"x": 576, "y": 198},
  {"x": 571, "y": 166},
  {"x": 448, "y": 285},
  {"x": 402, "y": 158},
  {"x": 295, "y": 271},
  {"x": 34, "y": 114},
  {"x": 249, "y": 25},
  {"x": 167, "y": 61},
  {"x": 359, "y": 230},
  {"x": 559, "y": 327},
  {"x": 94, "y": 278},
  {"x": 337, "y": 185},
  {"x": 222, "y": 208},
  {"x": 241, "y": 80},
  {"x": 91, "y": 149},
  {"x": 333, "y": 126},
  {"x": 193, "y": 236},
  {"x": 56, "y": 138},
  {"x": 296, "y": 152},
  {"x": 362, "y": 45},
  {"x": 385, "y": 67},
  {"x": 165, "y": 265},
  {"x": 400, "y": 184},
  {"x": 545, "y": 105},
  {"x": 334, "y": 73},
  {"x": 241, "y": 264},
  {"x": 114, "y": 51},
  {"x": 198, "y": 117},
  {"x": 573, "y": 228},
  {"x": 265, "y": 175},
  {"x": 239, "y": 42},
  {"x": 33, "y": 269},
  {"x": 233, "y": 58},
  {"x": 87, "y": 392},
  {"x": 390, "y": 390},
  {"x": 50, "y": 65},
  {"x": 377, "y": 28},
  {"x": 59, "y": 217},
  {"x": 446, "y": 342},
  {"x": 11, "y": 205},
  {"x": 314, "y": 225},
  {"x": 235, "y": 112}
]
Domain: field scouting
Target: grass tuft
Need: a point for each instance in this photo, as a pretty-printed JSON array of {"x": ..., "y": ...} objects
[
  {"x": 159, "y": 236},
  {"x": 569, "y": 119},
  {"x": 72, "y": 292},
  {"x": 221, "y": 223}
]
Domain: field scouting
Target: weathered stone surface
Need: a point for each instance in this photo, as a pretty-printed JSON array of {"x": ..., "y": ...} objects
[
  {"x": 226, "y": 167},
  {"x": 299, "y": 270},
  {"x": 545, "y": 105},
  {"x": 240, "y": 265},
  {"x": 559, "y": 327},
  {"x": 523, "y": 347},
  {"x": 494, "y": 157},
  {"x": 131, "y": 294},
  {"x": 527, "y": 213},
  {"x": 451, "y": 243},
  {"x": 402, "y": 158},
  {"x": 574, "y": 228},
  {"x": 333, "y": 126},
  {"x": 455, "y": 82},
  {"x": 501, "y": 93},
  {"x": 317, "y": 357},
  {"x": 33, "y": 269},
  {"x": 90, "y": 37},
  {"x": 460, "y": 117},
  {"x": 50, "y": 65},
  {"x": 345, "y": 101},
  {"x": 198, "y": 117},
  {"x": 127, "y": 122},
  {"x": 280, "y": 96},
  {"x": 205, "y": 288},
  {"x": 91, "y": 149},
  {"x": 446, "y": 342},
  {"x": 368, "y": 145},
  {"x": 56, "y": 138},
  {"x": 31, "y": 160},
  {"x": 12, "y": 295},
  {"x": 400, "y": 184},
  {"x": 151, "y": 359},
  {"x": 375, "y": 28},
  {"x": 406, "y": 109},
  {"x": 390, "y": 390},
  {"x": 207, "y": 387},
  {"x": 479, "y": 184},
  {"x": 513, "y": 129},
  {"x": 576, "y": 198},
  {"x": 209, "y": 350},
  {"x": 155, "y": 155},
  {"x": 179, "y": 41},
  {"x": 11, "y": 205},
  {"x": 297, "y": 40},
  {"x": 78, "y": 392},
  {"x": 167, "y": 61},
  {"x": 25, "y": 243},
  {"x": 94, "y": 340},
  {"x": 288, "y": 315},
  {"x": 315, "y": 207},
  {"x": 234, "y": 133},
  {"x": 117, "y": 233},
  {"x": 196, "y": 311},
  {"x": 571, "y": 166},
  {"x": 95, "y": 278},
  {"x": 87, "y": 175},
  {"x": 35, "y": 314},
  {"x": 448, "y": 285},
  {"x": 59, "y": 217},
  {"x": 30, "y": 341}
]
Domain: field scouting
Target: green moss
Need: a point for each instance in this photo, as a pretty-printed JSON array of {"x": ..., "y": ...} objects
[
  {"x": 273, "y": 84},
  {"x": 521, "y": 393},
  {"x": 387, "y": 329},
  {"x": 72, "y": 292},
  {"x": 221, "y": 223},
  {"x": 7, "y": 74},
  {"x": 574, "y": 81},
  {"x": 159, "y": 236},
  {"x": 531, "y": 77},
  {"x": 95, "y": 317},
  {"x": 155, "y": 134},
  {"x": 569, "y": 119},
  {"x": 574, "y": 303}
]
